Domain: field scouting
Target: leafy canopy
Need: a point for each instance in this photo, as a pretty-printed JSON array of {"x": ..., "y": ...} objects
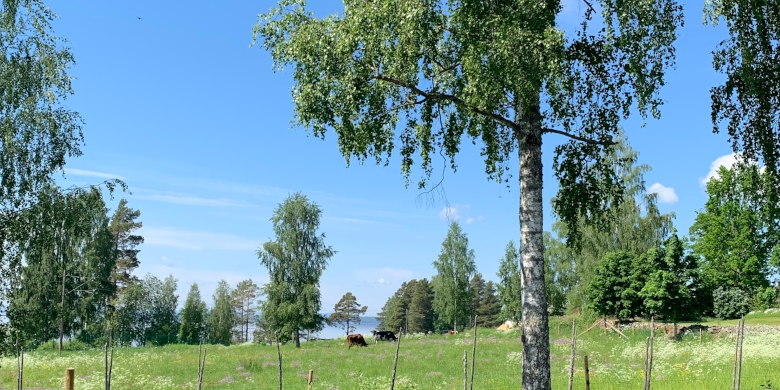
[
  {"x": 455, "y": 268},
  {"x": 295, "y": 261},
  {"x": 493, "y": 71},
  {"x": 738, "y": 231}
]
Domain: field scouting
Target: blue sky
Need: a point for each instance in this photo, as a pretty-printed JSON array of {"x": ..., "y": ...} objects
[{"x": 198, "y": 125}]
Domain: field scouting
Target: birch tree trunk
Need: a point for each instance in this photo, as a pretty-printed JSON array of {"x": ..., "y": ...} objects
[{"x": 536, "y": 346}]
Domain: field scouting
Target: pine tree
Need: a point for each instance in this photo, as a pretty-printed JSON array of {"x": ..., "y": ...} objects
[
  {"x": 347, "y": 313},
  {"x": 222, "y": 317},
  {"x": 122, "y": 225},
  {"x": 245, "y": 305},
  {"x": 193, "y": 318}
]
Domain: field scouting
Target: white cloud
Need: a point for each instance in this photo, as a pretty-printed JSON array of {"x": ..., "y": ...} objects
[
  {"x": 727, "y": 161},
  {"x": 469, "y": 220},
  {"x": 458, "y": 212},
  {"x": 383, "y": 281},
  {"x": 665, "y": 194},
  {"x": 84, "y": 172},
  {"x": 195, "y": 240}
]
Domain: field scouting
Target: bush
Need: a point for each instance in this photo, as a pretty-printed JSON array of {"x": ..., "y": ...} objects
[
  {"x": 765, "y": 298},
  {"x": 730, "y": 303}
]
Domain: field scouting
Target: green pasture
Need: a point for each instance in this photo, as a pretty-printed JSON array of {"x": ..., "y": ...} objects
[{"x": 425, "y": 362}]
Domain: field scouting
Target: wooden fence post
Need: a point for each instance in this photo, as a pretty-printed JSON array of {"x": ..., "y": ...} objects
[
  {"x": 395, "y": 363},
  {"x": 465, "y": 369},
  {"x": 573, "y": 349},
  {"x": 587, "y": 374},
  {"x": 741, "y": 340},
  {"x": 700, "y": 336},
  {"x": 310, "y": 378},
  {"x": 473, "y": 354},
  {"x": 69, "y": 378},
  {"x": 279, "y": 354}
]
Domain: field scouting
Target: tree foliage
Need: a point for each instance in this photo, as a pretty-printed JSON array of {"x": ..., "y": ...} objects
[
  {"x": 245, "y": 305},
  {"x": 295, "y": 261},
  {"x": 346, "y": 313},
  {"x": 63, "y": 283},
  {"x": 738, "y": 232},
  {"x": 455, "y": 268},
  {"x": 618, "y": 281},
  {"x": 673, "y": 289},
  {"x": 193, "y": 318},
  {"x": 747, "y": 100},
  {"x": 421, "y": 314},
  {"x": 559, "y": 273},
  {"x": 123, "y": 224},
  {"x": 636, "y": 225},
  {"x": 510, "y": 285},
  {"x": 221, "y": 318}
]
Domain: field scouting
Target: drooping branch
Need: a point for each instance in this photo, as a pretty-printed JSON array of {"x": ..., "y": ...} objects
[
  {"x": 578, "y": 138},
  {"x": 450, "y": 98}
]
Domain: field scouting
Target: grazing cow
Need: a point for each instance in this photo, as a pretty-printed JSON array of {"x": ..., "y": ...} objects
[
  {"x": 383, "y": 335},
  {"x": 356, "y": 339},
  {"x": 449, "y": 332}
]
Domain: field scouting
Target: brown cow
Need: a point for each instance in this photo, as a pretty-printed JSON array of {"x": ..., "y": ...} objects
[
  {"x": 356, "y": 339},
  {"x": 449, "y": 332}
]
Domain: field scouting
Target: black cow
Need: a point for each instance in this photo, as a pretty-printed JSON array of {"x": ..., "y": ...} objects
[{"x": 383, "y": 335}]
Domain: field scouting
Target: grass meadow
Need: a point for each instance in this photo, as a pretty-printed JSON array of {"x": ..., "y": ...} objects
[{"x": 425, "y": 363}]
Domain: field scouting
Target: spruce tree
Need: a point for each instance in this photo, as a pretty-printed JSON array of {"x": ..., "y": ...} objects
[
  {"x": 488, "y": 313},
  {"x": 193, "y": 318},
  {"x": 421, "y": 308},
  {"x": 477, "y": 290}
]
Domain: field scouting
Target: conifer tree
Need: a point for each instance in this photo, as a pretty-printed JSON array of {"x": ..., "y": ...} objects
[
  {"x": 193, "y": 318},
  {"x": 346, "y": 313}
]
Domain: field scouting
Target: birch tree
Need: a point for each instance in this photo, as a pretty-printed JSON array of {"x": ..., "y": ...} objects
[
  {"x": 502, "y": 72},
  {"x": 295, "y": 261},
  {"x": 455, "y": 267}
]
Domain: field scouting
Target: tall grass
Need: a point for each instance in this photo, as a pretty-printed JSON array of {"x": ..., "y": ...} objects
[{"x": 425, "y": 362}]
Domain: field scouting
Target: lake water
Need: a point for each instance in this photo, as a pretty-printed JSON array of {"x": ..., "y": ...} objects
[{"x": 366, "y": 325}]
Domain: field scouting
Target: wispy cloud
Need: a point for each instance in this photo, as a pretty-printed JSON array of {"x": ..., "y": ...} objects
[
  {"x": 665, "y": 194},
  {"x": 188, "y": 199},
  {"x": 196, "y": 240},
  {"x": 84, "y": 172},
  {"x": 360, "y": 221}
]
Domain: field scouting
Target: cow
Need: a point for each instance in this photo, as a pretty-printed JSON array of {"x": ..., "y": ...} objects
[
  {"x": 383, "y": 335},
  {"x": 449, "y": 332},
  {"x": 356, "y": 339}
]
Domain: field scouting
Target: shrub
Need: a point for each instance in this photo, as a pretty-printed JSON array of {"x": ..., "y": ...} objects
[
  {"x": 730, "y": 303},
  {"x": 765, "y": 298}
]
